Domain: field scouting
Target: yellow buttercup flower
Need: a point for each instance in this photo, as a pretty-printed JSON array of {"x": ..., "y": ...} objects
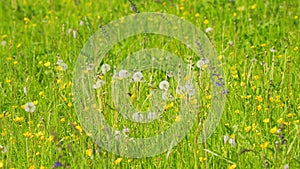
[
  {"x": 266, "y": 120},
  {"x": 264, "y": 145},
  {"x": 233, "y": 166},
  {"x": 118, "y": 161},
  {"x": 248, "y": 128},
  {"x": 273, "y": 130},
  {"x": 89, "y": 152}
]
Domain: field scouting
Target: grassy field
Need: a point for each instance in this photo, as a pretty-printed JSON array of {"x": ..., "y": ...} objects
[{"x": 257, "y": 43}]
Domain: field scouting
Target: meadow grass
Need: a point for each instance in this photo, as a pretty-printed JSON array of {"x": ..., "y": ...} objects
[{"x": 257, "y": 43}]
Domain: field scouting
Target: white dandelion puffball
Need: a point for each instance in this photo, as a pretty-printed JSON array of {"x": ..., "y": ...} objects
[
  {"x": 30, "y": 107},
  {"x": 3, "y": 43},
  {"x": 189, "y": 89},
  {"x": 123, "y": 74},
  {"x": 151, "y": 116},
  {"x": 64, "y": 66},
  {"x": 98, "y": 84},
  {"x": 209, "y": 29},
  {"x": 90, "y": 66},
  {"x": 137, "y": 117},
  {"x": 105, "y": 68},
  {"x": 180, "y": 90},
  {"x": 164, "y": 85},
  {"x": 202, "y": 62},
  {"x": 137, "y": 76}
]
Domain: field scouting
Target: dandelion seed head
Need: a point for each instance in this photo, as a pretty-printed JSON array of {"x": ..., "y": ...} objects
[
  {"x": 30, "y": 107},
  {"x": 90, "y": 66},
  {"x": 3, "y": 43},
  {"x": 137, "y": 76},
  {"x": 105, "y": 68},
  {"x": 64, "y": 66},
  {"x": 137, "y": 117},
  {"x": 123, "y": 74},
  {"x": 180, "y": 90},
  {"x": 208, "y": 30},
  {"x": 99, "y": 83},
  {"x": 151, "y": 115},
  {"x": 189, "y": 89},
  {"x": 164, "y": 85}
]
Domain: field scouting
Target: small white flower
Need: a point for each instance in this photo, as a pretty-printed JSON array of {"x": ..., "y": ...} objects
[
  {"x": 225, "y": 138},
  {"x": 3, "y": 149},
  {"x": 180, "y": 90},
  {"x": 59, "y": 62},
  {"x": 137, "y": 117},
  {"x": 74, "y": 33},
  {"x": 137, "y": 76},
  {"x": 30, "y": 107},
  {"x": 209, "y": 29},
  {"x": 164, "y": 85},
  {"x": 123, "y": 73},
  {"x": 126, "y": 130},
  {"x": 232, "y": 142},
  {"x": 286, "y": 166},
  {"x": 62, "y": 64},
  {"x": 3, "y": 43},
  {"x": 99, "y": 83},
  {"x": 151, "y": 116},
  {"x": 105, "y": 68},
  {"x": 272, "y": 50},
  {"x": 81, "y": 23},
  {"x": 69, "y": 30}
]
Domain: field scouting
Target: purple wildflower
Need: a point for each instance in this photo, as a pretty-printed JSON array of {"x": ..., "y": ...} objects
[{"x": 57, "y": 164}]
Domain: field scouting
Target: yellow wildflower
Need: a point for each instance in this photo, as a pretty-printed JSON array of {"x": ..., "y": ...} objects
[
  {"x": 273, "y": 130},
  {"x": 264, "y": 145},
  {"x": 89, "y": 152},
  {"x": 205, "y": 21},
  {"x": 266, "y": 120},
  {"x": 118, "y": 160},
  {"x": 248, "y": 128},
  {"x": 233, "y": 166}
]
